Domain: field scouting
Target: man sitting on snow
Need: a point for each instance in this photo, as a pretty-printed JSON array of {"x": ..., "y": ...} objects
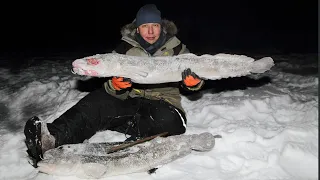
[{"x": 137, "y": 110}]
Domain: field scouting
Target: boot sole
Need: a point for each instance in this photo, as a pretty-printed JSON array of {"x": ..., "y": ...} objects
[{"x": 32, "y": 132}]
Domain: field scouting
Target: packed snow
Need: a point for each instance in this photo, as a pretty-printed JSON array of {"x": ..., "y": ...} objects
[{"x": 268, "y": 122}]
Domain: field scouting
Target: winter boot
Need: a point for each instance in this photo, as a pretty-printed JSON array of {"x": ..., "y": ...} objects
[
  {"x": 32, "y": 131},
  {"x": 38, "y": 139}
]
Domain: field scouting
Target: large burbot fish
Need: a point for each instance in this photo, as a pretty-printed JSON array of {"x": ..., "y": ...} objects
[
  {"x": 92, "y": 160},
  {"x": 164, "y": 69}
]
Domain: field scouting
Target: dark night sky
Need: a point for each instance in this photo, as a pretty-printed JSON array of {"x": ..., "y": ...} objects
[{"x": 220, "y": 26}]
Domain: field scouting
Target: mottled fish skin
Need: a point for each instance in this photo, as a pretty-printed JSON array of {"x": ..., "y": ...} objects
[
  {"x": 92, "y": 161},
  {"x": 164, "y": 69}
]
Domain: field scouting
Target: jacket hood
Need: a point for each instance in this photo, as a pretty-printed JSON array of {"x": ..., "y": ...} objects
[{"x": 168, "y": 27}]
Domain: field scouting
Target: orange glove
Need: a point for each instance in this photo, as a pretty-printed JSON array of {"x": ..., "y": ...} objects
[
  {"x": 190, "y": 79},
  {"x": 120, "y": 83}
]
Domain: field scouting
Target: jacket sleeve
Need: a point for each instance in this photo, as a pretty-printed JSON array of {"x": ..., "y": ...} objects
[
  {"x": 122, "y": 94},
  {"x": 184, "y": 49},
  {"x": 122, "y": 48},
  {"x": 189, "y": 90}
]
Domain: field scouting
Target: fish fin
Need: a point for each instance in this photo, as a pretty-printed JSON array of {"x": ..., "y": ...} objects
[
  {"x": 112, "y": 143},
  {"x": 153, "y": 170},
  {"x": 138, "y": 71},
  {"x": 262, "y": 65},
  {"x": 141, "y": 73},
  {"x": 94, "y": 170}
]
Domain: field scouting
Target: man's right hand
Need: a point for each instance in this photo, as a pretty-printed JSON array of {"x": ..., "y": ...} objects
[{"x": 120, "y": 83}]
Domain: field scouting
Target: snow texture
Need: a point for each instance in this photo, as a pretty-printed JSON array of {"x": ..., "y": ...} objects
[{"x": 268, "y": 121}]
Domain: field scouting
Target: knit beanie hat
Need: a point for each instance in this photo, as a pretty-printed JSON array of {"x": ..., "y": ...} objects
[{"x": 148, "y": 14}]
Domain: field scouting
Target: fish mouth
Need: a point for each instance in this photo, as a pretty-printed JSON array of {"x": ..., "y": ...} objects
[{"x": 56, "y": 169}]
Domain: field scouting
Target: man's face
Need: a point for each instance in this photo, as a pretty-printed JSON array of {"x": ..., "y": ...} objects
[{"x": 150, "y": 32}]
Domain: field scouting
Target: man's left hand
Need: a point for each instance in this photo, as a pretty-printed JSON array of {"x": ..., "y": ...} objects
[{"x": 190, "y": 79}]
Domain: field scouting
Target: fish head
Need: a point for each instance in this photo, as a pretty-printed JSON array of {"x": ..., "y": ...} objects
[
  {"x": 202, "y": 142},
  {"x": 59, "y": 161},
  {"x": 96, "y": 65}
]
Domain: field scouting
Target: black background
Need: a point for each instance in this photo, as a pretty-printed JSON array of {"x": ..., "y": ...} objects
[{"x": 48, "y": 27}]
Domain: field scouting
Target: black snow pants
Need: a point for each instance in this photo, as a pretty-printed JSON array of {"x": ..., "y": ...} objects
[{"x": 97, "y": 111}]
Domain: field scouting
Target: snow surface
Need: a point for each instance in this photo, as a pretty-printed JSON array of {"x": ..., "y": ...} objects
[{"x": 269, "y": 131}]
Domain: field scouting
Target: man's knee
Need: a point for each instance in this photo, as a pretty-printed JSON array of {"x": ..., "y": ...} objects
[{"x": 169, "y": 119}]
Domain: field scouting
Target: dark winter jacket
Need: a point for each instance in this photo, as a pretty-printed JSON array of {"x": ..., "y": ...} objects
[{"x": 169, "y": 92}]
